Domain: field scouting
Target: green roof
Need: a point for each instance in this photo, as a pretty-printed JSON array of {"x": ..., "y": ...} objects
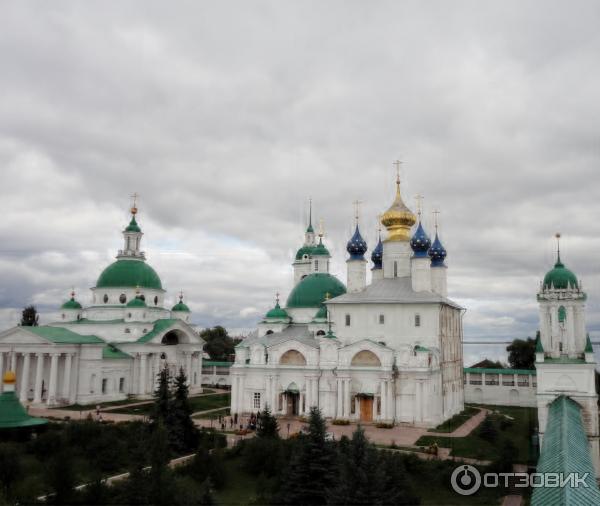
[
  {"x": 129, "y": 274},
  {"x": 60, "y": 335},
  {"x": 538, "y": 345},
  {"x": 479, "y": 370},
  {"x": 560, "y": 277},
  {"x": 564, "y": 360},
  {"x": 13, "y": 415},
  {"x": 133, "y": 226},
  {"x": 136, "y": 302},
  {"x": 180, "y": 306},
  {"x": 321, "y": 313},
  {"x": 159, "y": 326},
  {"x": 588, "y": 345},
  {"x": 110, "y": 351},
  {"x": 277, "y": 313},
  {"x": 313, "y": 289},
  {"x": 320, "y": 250},
  {"x": 304, "y": 250},
  {"x": 71, "y": 304},
  {"x": 565, "y": 449}
]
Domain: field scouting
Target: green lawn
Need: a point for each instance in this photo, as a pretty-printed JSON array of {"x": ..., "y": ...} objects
[
  {"x": 457, "y": 420},
  {"x": 199, "y": 403},
  {"x": 86, "y": 407},
  {"x": 518, "y": 431},
  {"x": 213, "y": 415}
]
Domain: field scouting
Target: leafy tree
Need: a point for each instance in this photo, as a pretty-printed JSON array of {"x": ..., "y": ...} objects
[
  {"x": 183, "y": 434},
  {"x": 219, "y": 345},
  {"x": 267, "y": 426},
  {"x": 504, "y": 461},
  {"x": 521, "y": 353},
  {"x": 29, "y": 317},
  {"x": 312, "y": 471}
]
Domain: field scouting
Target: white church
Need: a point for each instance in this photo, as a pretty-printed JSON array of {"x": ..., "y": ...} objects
[
  {"x": 388, "y": 351},
  {"x": 111, "y": 349}
]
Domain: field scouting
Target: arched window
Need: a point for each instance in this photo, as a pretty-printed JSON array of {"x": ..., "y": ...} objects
[
  {"x": 316, "y": 265},
  {"x": 122, "y": 298},
  {"x": 170, "y": 339},
  {"x": 143, "y": 297},
  {"x": 417, "y": 320},
  {"x": 156, "y": 300},
  {"x": 347, "y": 320},
  {"x": 268, "y": 332},
  {"x": 105, "y": 298},
  {"x": 292, "y": 357},
  {"x": 366, "y": 358},
  {"x": 320, "y": 332}
]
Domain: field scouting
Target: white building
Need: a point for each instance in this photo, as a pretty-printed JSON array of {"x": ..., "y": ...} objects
[
  {"x": 565, "y": 360},
  {"x": 110, "y": 349},
  {"x": 388, "y": 351},
  {"x": 501, "y": 387}
]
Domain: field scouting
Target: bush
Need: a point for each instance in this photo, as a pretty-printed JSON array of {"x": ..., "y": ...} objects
[
  {"x": 383, "y": 425},
  {"x": 339, "y": 421}
]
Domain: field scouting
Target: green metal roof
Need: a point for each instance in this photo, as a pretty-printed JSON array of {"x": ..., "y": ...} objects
[
  {"x": 216, "y": 363},
  {"x": 564, "y": 360},
  {"x": 565, "y": 449},
  {"x": 71, "y": 304},
  {"x": 136, "y": 302},
  {"x": 321, "y": 313},
  {"x": 129, "y": 274},
  {"x": 111, "y": 352},
  {"x": 479, "y": 370},
  {"x": 588, "y": 345},
  {"x": 133, "y": 226},
  {"x": 159, "y": 326},
  {"x": 60, "y": 335},
  {"x": 320, "y": 250},
  {"x": 560, "y": 277},
  {"x": 180, "y": 306},
  {"x": 418, "y": 347},
  {"x": 313, "y": 289},
  {"x": 538, "y": 345},
  {"x": 277, "y": 313},
  {"x": 13, "y": 415}
]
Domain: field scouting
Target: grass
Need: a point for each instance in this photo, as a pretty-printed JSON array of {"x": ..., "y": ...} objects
[
  {"x": 456, "y": 421},
  {"x": 518, "y": 432},
  {"x": 198, "y": 403},
  {"x": 103, "y": 405},
  {"x": 214, "y": 414}
]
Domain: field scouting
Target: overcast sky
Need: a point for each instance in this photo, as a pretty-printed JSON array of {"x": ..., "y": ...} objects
[{"x": 226, "y": 116}]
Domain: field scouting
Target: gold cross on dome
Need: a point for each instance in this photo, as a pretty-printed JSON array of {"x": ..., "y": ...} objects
[
  {"x": 397, "y": 164},
  {"x": 419, "y": 198},
  {"x": 134, "y": 196}
]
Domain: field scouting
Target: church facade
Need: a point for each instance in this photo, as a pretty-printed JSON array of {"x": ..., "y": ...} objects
[
  {"x": 388, "y": 351},
  {"x": 110, "y": 349}
]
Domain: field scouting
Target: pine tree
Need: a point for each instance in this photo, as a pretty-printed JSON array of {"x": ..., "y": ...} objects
[
  {"x": 183, "y": 434},
  {"x": 162, "y": 398},
  {"x": 160, "y": 484},
  {"x": 267, "y": 426},
  {"x": 29, "y": 317}
]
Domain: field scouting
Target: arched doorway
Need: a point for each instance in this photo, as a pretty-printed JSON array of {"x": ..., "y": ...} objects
[{"x": 292, "y": 400}]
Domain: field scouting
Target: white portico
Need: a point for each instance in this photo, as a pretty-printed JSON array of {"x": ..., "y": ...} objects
[
  {"x": 388, "y": 351},
  {"x": 111, "y": 349}
]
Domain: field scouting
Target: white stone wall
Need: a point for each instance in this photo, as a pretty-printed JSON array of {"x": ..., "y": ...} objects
[
  {"x": 356, "y": 275},
  {"x": 506, "y": 390}
]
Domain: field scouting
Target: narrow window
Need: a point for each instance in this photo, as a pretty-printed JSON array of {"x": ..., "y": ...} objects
[
  {"x": 121, "y": 385},
  {"x": 417, "y": 320},
  {"x": 105, "y": 298},
  {"x": 122, "y": 298},
  {"x": 127, "y": 331},
  {"x": 381, "y": 319},
  {"x": 256, "y": 400},
  {"x": 395, "y": 269},
  {"x": 104, "y": 384},
  {"x": 316, "y": 265},
  {"x": 347, "y": 320},
  {"x": 156, "y": 300},
  {"x": 560, "y": 346}
]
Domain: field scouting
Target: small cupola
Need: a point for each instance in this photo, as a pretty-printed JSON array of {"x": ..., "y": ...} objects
[
  {"x": 181, "y": 310},
  {"x": 277, "y": 313},
  {"x": 356, "y": 246},
  {"x": 71, "y": 309},
  {"x": 437, "y": 253},
  {"x": 420, "y": 242},
  {"x": 136, "y": 309},
  {"x": 560, "y": 278}
]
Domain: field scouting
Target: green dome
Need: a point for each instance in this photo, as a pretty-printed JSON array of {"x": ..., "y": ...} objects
[
  {"x": 180, "y": 306},
  {"x": 71, "y": 304},
  {"x": 560, "y": 277},
  {"x": 137, "y": 302},
  {"x": 313, "y": 289},
  {"x": 277, "y": 313},
  {"x": 320, "y": 249},
  {"x": 129, "y": 274},
  {"x": 14, "y": 415},
  {"x": 304, "y": 250},
  {"x": 133, "y": 226}
]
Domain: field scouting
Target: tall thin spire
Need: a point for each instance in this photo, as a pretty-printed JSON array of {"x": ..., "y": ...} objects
[
  {"x": 310, "y": 212},
  {"x": 557, "y": 235}
]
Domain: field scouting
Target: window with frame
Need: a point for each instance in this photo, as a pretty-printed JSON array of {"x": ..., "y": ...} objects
[
  {"x": 121, "y": 385},
  {"x": 347, "y": 320},
  {"x": 316, "y": 265},
  {"x": 381, "y": 319},
  {"x": 256, "y": 400},
  {"x": 395, "y": 269},
  {"x": 104, "y": 385},
  {"x": 417, "y": 320}
]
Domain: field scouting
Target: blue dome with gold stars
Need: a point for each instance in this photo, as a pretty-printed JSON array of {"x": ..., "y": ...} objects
[
  {"x": 437, "y": 253},
  {"x": 377, "y": 255},
  {"x": 420, "y": 242},
  {"x": 357, "y": 247}
]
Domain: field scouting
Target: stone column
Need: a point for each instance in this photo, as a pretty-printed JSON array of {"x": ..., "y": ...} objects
[
  {"x": 188, "y": 367},
  {"x": 308, "y": 394},
  {"x": 53, "y": 377},
  {"x": 156, "y": 369},
  {"x": 316, "y": 392},
  {"x": 268, "y": 392},
  {"x": 143, "y": 374},
  {"x": 383, "y": 397},
  {"x": 338, "y": 406},
  {"x": 347, "y": 398},
  {"x": 240, "y": 396},
  {"x": 25, "y": 378},
  {"x": 66, "y": 390},
  {"x": 39, "y": 378},
  {"x": 1, "y": 370},
  {"x": 199, "y": 369},
  {"x": 13, "y": 362}
]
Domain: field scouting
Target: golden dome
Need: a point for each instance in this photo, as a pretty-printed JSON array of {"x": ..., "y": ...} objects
[
  {"x": 9, "y": 378},
  {"x": 398, "y": 219}
]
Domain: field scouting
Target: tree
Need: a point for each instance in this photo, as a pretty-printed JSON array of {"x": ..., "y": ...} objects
[
  {"x": 183, "y": 434},
  {"x": 521, "y": 353},
  {"x": 160, "y": 489},
  {"x": 267, "y": 426},
  {"x": 312, "y": 471},
  {"x": 29, "y": 317},
  {"x": 218, "y": 345},
  {"x": 487, "y": 430},
  {"x": 61, "y": 476},
  {"x": 162, "y": 398},
  {"x": 10, "y": 468},
  {"x": 490, "y": 364}
]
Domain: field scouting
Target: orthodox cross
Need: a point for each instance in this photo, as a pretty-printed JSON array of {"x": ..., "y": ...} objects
[
  {"x": 357, "y": 204},
  {"x": 277, "y": 297},
  {"x": 436, "y": 213},
  {"x": 419, "y": 198},
  {"x": 397, "y": 164},
  {"x": 134, "y": 205}
]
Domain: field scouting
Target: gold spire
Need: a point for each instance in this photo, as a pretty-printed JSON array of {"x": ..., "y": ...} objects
[{"x": 398, "y": 219}]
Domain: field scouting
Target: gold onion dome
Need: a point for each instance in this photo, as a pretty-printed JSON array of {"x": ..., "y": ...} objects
[{"x": 398, "y": 219}]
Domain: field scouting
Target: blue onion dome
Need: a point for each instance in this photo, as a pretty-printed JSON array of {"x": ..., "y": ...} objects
[
  {"x": 420, "y": 242},
  {"x": 357, "y": 247},
  {"x": 377, "y": 255},
  {"x": 437, "y": 253}
]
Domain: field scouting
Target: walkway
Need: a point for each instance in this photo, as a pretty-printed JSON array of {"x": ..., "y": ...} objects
[{"x": 466, "y": 428}]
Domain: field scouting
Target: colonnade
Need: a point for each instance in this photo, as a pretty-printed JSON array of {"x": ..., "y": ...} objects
[
  {"x": 147, "y": 366},
  {"x": 54, "y": 391}
]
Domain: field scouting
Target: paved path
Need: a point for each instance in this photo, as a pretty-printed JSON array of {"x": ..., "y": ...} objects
[{"x": 466, "y": 428}]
